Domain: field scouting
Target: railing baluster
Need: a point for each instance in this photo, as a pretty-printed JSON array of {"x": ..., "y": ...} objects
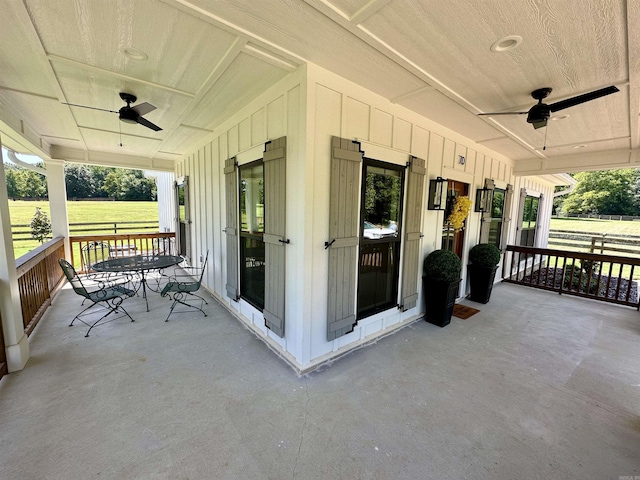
[
  {"x": 609, "y": 278},
  {"x": 579, "y": 287},
  {"x": 619, "y": 283},
  {"x": 630, "y": 283}
]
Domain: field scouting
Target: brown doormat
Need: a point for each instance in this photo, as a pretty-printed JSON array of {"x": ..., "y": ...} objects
[{"x": 464, "y": 312}]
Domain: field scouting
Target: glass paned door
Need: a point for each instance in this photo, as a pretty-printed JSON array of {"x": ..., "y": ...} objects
[
  {"x": 251, "y": 233},
  {"x": 452, "y": 240},
  {"x": 380, "y": 233}
]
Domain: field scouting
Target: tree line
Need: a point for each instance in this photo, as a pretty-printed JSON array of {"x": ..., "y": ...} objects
[
  {"x": 607, "y": 192},
  {"x": 82, "y": 181}
]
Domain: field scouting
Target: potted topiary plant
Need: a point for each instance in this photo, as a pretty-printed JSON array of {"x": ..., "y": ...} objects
[
  {"x": 440, "y": 280},
  {"x": 484, "y": 259}
]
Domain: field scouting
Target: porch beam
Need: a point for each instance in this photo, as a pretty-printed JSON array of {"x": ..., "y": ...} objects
[
  {"x": 107, "y": 159},
  {"x": 16, "y": 343},
  {"x": 579, "y": 162}
]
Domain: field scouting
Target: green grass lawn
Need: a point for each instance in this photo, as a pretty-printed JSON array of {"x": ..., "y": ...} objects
[
  {"x": 596, "y": 226},
  {"x": 593, "y": 225},
  {"x": 82, "y": 212}
]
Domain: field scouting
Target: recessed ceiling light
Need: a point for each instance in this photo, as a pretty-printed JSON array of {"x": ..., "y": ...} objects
[
  {"x": 580, "y": 146},
  {"x": 507, "y": 43},
  {"x": 134, "y": 53},
  {"x": 560, "y": 117}
]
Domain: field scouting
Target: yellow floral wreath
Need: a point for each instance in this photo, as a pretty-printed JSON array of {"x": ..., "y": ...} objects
[{"x": 459, "y": 213}]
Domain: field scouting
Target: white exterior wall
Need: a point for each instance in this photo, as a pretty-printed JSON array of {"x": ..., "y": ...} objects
[
  {"x": 391, "y": 133},
  {"x": 309, "y": 107},
  {"x": 276, "y": 113}
]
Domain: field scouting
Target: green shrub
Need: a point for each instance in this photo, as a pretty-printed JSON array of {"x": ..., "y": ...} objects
[
  {"x": 576, "y": 283},
  {"x": 40, "y": 226},
  {"x": 590, "y": 265},
  {"x": 485, "y": 255},
  {"x": 442, "y": 265}
]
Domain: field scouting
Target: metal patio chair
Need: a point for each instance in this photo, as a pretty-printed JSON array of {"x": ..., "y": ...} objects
[
  {"x": 93, "y": 252},
  {"x": 107, "y": 295},
  {"x": 181, "y": 287},
  {"x": 98, "y": 251}
]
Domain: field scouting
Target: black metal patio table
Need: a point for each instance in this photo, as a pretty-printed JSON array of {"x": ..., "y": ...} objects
[{"x": 139, "y": 264}]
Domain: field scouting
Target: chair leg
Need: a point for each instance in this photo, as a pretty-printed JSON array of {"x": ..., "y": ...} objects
[
  {"x": 77, "y": 317},
  {"x": 114, "y": 306},
  {"x": 171, "y": 310},
  {"x": 177, "y": 298},
  {"x": 196, "y": 295}
]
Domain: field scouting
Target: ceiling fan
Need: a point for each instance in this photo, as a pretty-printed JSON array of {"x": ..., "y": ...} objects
[
  {"x": 540, "y": 112},
  {"x": 129, "y": 114}
]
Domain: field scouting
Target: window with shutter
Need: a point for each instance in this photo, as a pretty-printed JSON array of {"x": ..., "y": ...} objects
[
  {"x": 260, "y": 201},
  {"x": 342, "y": 246}
]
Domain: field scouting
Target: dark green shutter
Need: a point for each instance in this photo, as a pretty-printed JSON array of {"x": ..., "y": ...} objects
[
  {"x": 412, "y": 228},
  {"x": 274, "y": 234},
  {"x": 346, "y": 162},
  {"x": 231, "y": 195}
]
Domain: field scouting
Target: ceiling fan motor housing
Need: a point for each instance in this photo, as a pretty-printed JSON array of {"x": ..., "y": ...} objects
[
  {"x": 128, "y": 115},
  {"x": 539, "y": 113}
]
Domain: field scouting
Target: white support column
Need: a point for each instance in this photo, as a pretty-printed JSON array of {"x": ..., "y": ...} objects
[
  {"x": 16, "y": 343},
  {"x": 165, "y": 185},
  {"x": 58, "y": 202}
]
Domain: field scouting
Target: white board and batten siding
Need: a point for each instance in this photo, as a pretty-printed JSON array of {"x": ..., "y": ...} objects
[
  {"x": 309, "y": 108},
  {"x": 275, "y": 114},
  {"x": 386, "y": 132}
]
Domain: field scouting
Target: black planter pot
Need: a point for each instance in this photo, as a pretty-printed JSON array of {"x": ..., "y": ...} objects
[
  {"x": 481, "y": 282},
  {"x": 440, "y": 297}
]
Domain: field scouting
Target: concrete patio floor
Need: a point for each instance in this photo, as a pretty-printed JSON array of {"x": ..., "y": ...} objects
[{"x": 535, "y": 386}]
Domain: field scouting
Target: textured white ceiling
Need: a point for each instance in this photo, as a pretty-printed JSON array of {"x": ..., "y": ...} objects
[{"x": 205, "y": 61}]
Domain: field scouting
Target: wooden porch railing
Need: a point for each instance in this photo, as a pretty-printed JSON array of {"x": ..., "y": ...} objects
[
  {"x": 609, "y": 278},
  {"x": 39, "y": 275},
  {"x": 89, "y": 249}
]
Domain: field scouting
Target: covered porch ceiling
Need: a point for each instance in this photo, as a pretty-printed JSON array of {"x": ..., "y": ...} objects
[{"x": 199, "y": 61}]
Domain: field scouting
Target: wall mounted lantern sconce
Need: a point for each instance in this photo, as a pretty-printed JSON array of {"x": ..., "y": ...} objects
[
  {"x": 484, "y": 200},
  {"x": 437, "y": 194}
]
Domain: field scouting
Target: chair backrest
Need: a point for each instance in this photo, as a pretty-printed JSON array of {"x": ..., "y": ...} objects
[
  {"x": 204, "y": 267},
  {"x": 93, "y": 252},
  {"x": 164, "y": 246},
  {"x": 73, "y": 278}
]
